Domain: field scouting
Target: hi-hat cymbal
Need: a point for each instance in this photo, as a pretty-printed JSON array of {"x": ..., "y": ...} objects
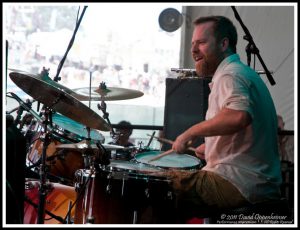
[
  {"x": 59, "y": 98},
  {"x": 107, "y": 94},
  {"x": 84, "y": 145}
]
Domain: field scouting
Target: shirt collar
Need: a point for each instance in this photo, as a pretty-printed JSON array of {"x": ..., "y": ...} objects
[{"x": 226, "y": 61}]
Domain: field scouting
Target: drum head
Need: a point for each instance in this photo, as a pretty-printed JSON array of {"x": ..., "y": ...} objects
[{"x": 173, "y": 160}]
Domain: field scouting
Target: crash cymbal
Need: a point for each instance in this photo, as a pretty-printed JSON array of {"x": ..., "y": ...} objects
[
  {"x": 59, "y": 98},
  {"x": 84, "y": 145},
  {"x": 108, "y": 94}
]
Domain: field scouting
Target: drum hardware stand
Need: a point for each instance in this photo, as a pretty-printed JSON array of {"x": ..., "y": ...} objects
[
  {"x": 90, "y": 218},
  {"x": 43, "y": 176},
  {"x": 103, "y": 107},
  {"x": 89, "y": 160},
  {"x": 140, "y": 144},
  {"x": 134, "y": 217},
  {"x": 82, "y": 187},
  {"x": 88, "y": 153},
  {"x": 68, "y": 216}
]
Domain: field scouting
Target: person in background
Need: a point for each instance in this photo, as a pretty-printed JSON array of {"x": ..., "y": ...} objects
[
  {"x": 122, "y": 138},
  {"x": 240, "y": 130}
]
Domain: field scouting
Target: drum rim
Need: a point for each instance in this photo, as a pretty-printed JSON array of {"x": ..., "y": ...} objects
[
  {"x": 119, "y": 169},
  {"x": 125, "y": 174}
]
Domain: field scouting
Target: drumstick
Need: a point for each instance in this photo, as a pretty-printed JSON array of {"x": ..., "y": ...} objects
[
  {"x": 161, "y": 155},
  {"x": 171, "y": 142}
]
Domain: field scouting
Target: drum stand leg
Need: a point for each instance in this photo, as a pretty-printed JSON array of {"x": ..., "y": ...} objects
[
  {"x": 89, "y": 187},
  {"x": 68, "y": 217},
  {"x": 134, "y": 217},
  {"x": 90, "y": 217},
  {"x": 88, "y": 198}
]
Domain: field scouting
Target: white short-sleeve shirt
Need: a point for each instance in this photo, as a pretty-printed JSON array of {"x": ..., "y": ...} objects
[{"x": 249, "y": 158}]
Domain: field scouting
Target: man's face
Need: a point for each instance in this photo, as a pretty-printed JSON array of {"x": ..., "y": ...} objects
[
  {"x": 123, "y": 134},
  {"x": 206, "y": 51}
]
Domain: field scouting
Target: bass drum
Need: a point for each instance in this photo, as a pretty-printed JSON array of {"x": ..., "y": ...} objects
[
  {"x": 57, "y": 202},
  {"x": 123, "y": 193}
]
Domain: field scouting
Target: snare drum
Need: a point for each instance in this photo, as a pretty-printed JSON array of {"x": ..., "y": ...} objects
[{"x": 170, "y": 161}]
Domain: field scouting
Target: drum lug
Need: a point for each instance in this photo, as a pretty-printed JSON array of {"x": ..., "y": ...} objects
[
  {"x": 42, "y": 137},
  {"x": 109, "y": 176},
  {"x": 108, "y": 188},
  {"x": 147, "y": 193},
  {"x": 169, "y": 195},
  {"x": 48, "y": 187},
  {"x": 78, "y": 180},
  {"x": 29, "y": 185},
  {"x": 77, "y": 186}
]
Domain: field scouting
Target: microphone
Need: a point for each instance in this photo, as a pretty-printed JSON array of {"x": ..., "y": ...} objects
[
  {"x": 28, "y": 102},
  {"x": 26, "y": 107}
]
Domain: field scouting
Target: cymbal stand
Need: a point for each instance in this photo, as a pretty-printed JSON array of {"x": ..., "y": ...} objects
[
  {"x": 103, "y": 107},
  {"x": 43, "y": 176},
  {"x": 88, "y": 153}
]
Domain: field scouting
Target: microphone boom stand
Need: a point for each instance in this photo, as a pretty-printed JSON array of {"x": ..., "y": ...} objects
[{"x": 251, "y": 47}]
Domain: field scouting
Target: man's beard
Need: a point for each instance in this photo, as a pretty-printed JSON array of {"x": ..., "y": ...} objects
[{"x": 207, "y": 68}]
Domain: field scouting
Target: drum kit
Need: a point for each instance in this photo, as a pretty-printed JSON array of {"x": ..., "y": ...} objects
[{"x": 91, "y": 187}]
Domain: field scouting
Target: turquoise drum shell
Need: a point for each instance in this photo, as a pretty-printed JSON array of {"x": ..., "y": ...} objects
[
  {"x": 170, "y": 161},
  {"x": 74, "y": 129}
]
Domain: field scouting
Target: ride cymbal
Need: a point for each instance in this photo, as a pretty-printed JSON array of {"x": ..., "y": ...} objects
[{"x": 107, "y": 94}]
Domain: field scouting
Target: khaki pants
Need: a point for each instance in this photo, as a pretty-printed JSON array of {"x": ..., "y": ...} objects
[
  {"x": 202, "y": 193},
  {"x": 197, "y": 194}
]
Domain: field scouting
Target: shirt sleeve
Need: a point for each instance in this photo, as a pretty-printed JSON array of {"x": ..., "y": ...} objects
[{"x": 235, "y": 93}]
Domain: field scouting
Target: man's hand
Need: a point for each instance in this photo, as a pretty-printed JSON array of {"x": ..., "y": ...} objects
[{"x": 182, "y": 143}]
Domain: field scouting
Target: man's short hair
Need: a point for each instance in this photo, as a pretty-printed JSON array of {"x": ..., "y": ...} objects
[{"x": 223, "y": 27}]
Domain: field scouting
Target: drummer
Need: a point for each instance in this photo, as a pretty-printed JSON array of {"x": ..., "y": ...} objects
[{"x": 122, "y": 138}]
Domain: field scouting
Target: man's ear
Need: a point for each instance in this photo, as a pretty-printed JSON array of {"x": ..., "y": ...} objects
[{"x": 224, "y": 44}]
